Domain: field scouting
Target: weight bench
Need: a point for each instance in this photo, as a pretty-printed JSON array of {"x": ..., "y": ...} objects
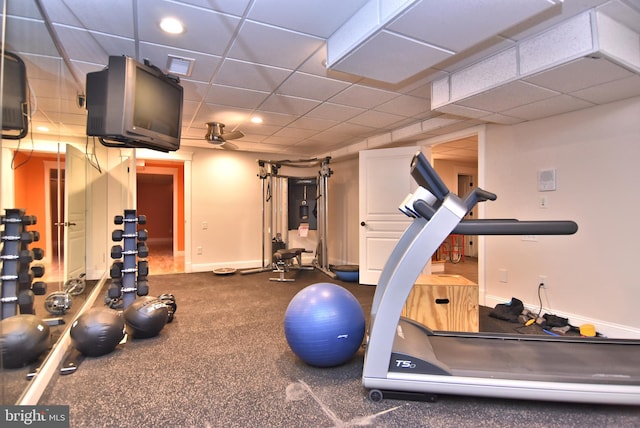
[{"x": 283, "y": 261}]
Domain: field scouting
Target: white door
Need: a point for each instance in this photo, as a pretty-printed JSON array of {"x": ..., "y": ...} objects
[
  {"x": 385, "y": 181},
  {"x": 75, "y": 213}
]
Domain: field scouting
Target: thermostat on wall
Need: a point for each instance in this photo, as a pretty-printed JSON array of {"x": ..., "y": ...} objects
[{"x": 546, "y": 180}]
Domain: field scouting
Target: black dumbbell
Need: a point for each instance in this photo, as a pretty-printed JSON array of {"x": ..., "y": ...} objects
[
  {"x": 142, "y": 219},
  {"x": 26, "y": 256},
  {"x": 143, "y": 250},
  {"x": 118, "y": 219},
  {"x": 115, "y": 289},
  {"x": 143, "y": 235},
  {"x": 116, "y": 235},
  {"x": 28, "y": 237},
  {"x": 38, "y": 253},
  {"x": 39, "y": 288},
  {"x": 143, "y": 268},
  {"x": 25, "y": 299},
  {"x": 25, "y": 277},
  {"x": 116, "y": 269},
  {"x": 38, "y": 270},
  {"x": 116, "y": 251},
  {"x": 29, "y": 219},
  {"x": 143, "y": 288}
]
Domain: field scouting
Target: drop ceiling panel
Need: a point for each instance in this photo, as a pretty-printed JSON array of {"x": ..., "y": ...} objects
[
  {"x": 611, "y": 91},
  {"x": 250, "y": 75},
  {"x": 310, "y": 86},
  {"x": 363, "y": 97},
  {"x": 93, "y": 48},
  {"x": 263, "y": 44},
  {"x": 288, "y": 105},
  {"x": 233, "y": 7},
  {"x": 90, "y": 15},
  {"x": 456, "y": 25},
  {"x": 547, "y": 107},
  {"x": 508, "y": 96},
  {"x": 376, "y": 119},
  {"x": 579, "y": 74},
  {"x": 235, "y": 97},
  {"x": 302, "y": 16},
  {"x": 383, "y": 57},
  {"x": 198, "y": 22}
]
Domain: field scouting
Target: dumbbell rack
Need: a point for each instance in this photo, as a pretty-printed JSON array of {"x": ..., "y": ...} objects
[
  {"x": 128, "y": 274},
  {"x": 17, "y": 273}
]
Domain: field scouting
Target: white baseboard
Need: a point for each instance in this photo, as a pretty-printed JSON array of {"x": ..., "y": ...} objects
[{"x": 608, "y": 329}]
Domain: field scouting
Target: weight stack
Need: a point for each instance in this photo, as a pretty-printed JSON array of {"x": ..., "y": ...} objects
[
  {"x": 17, "y": 273},
  {"x": 129, "y": 271}
]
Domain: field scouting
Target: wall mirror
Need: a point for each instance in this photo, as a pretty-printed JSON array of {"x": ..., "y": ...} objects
[{"x": 46, "y": 174}]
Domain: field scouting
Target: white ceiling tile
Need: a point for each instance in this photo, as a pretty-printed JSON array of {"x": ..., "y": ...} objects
[
  {"x": 234, "y": 7},
  {"x": 96, "y": 16},
  {"x": 384, "y": 55},
  {"x": 269, "y": 45},
  {"x": 317, "y": 64},
  {"x": 336, "y": 112},
  {"x": 363, "y": 96},
  {"x": 312, "y": 123},
  {"x": 303, "y": 16},
  {"x": 93, "y": 48},
  {"x": 506, "y": 97},
  {"x": 548, "y": 107},
  {"x": 250, "y": 75},
  {"x": 459, "y": 24},
  {"x": 297, "y": 133},
  {"x": 205, "y": 30},
  {"x": 235, "y": 97},
  {"x": 405, "y": 105},
  {"x": 376, "y": 119},
  {"x": 28, "y": 36},
  {"x": 579, "y": 74},
  {"x": 312, "y": 87},
  {"x": 288, "y": 105},
  {"x": 611, "y": 91}
]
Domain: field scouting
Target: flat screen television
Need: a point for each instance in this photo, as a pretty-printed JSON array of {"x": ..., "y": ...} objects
[
  {"x": 15, "y": 107},
  {"x": 131, "y": 104}
]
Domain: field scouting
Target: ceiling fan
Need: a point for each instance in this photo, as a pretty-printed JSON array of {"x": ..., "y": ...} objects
[{"x": 216, "y": 135}]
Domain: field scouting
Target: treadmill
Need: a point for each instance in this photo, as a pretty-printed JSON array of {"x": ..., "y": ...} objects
[{"x": 405, "y": 359}]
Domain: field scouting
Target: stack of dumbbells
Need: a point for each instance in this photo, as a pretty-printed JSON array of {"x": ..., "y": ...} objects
[
  {"x": 128, "y": 273},
  {"x": 18, "y": 288}
]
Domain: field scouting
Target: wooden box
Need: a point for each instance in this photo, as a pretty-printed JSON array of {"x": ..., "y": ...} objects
[{"x": 444, "y": 302}]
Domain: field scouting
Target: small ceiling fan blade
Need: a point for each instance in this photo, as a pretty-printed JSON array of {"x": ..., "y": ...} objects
[
  {"x": 229, "y": 146},
  {"x": 234, "y": 135}
]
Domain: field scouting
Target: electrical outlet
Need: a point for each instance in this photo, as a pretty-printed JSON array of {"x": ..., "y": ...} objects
[
  {"x": 542, "y": 281},
  {"x": 199, "y": 250}
]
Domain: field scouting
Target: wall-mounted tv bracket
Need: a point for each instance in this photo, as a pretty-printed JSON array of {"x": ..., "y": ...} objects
[
  {"x": 128, "y": 274},
  {"x": 17, "y": 274}
]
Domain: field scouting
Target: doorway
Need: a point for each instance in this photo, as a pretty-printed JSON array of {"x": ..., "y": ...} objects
[
  {"x": 160, "y": 197},
  {"x": 457, "y": 163}
]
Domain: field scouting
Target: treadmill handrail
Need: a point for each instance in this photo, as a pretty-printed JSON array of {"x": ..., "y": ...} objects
[{"x": 424, "y": 174}]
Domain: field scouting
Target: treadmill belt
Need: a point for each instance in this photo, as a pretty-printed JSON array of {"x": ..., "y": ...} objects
[{"x": 541, "y": 360}]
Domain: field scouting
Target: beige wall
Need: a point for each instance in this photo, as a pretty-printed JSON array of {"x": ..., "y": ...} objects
[{"x": 590, "y": 274}]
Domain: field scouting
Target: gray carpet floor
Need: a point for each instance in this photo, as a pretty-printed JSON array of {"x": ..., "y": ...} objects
[{"x": 224, "y": 362}]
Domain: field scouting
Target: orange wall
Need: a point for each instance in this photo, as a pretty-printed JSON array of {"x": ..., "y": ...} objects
[
  {"x": 29, "y": 182},
  {"x": 179, "y": 167}
]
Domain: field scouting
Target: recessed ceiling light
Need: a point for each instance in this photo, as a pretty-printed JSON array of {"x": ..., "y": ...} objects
[
  {"x": 256, "y": 119},
  {"x": 171, "y": 26}
]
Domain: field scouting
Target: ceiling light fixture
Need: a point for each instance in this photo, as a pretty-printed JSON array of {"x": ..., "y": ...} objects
[
  {"x": 256, "y": 119},
  {"x": 42, "y": 129},
  {"x": 171, "y": 26}
]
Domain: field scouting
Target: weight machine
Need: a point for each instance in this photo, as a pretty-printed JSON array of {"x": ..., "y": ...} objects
[{"x": 276, "y": 189}]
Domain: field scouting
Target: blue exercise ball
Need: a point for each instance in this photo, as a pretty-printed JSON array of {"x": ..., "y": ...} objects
[{"x": 324, "y": 325}]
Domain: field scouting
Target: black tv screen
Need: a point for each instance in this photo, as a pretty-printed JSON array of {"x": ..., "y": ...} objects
[
  {"x": 134, "y": 105},
  {"x": 15, "y": 112}
]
